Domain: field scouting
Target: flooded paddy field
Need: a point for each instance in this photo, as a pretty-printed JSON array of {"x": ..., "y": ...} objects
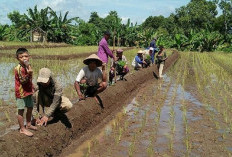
[{"x": 188, "y": 113}]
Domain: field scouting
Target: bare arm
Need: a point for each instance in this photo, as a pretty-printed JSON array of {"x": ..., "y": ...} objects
[{"x": 78, "y": 90}]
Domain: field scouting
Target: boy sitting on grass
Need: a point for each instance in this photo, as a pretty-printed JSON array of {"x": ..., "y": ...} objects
[
  {"x": 91, "y": 78},
  {"x": 24, "y": 90}
]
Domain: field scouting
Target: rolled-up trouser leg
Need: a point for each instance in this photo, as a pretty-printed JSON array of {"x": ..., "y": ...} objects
[
  {"x": 161, "y": 66},
  {"x": 66, "y": 104}
]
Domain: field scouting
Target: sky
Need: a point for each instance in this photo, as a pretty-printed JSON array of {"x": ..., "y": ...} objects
[{"x": 136, "y": 10}]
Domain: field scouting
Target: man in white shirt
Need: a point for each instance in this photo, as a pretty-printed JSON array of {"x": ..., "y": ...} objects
[{"x": 91, "y": 80}]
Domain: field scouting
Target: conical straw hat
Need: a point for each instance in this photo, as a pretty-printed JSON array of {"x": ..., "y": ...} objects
[
  {"x": 93, "y": 57},
  {"x": 140, "y": 52}
]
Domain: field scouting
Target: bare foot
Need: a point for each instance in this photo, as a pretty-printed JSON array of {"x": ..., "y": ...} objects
[
  {"x": 31, "y": 127},
  {"x": 26, "y": 132}
]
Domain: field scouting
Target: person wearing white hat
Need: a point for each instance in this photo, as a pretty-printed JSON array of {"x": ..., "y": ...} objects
[
  {"x": 138, "y": 61},
  {"x": 49, "y": 96},
  {"x": 91, "y": 78}
]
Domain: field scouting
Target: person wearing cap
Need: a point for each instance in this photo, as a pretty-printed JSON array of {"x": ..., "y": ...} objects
[
  {"x": 103, "y": 49},
  {"x": 93, "y": 78},
  {"x": 49, "y": 96},
  {"x": 121, "y": 66},
  {"x": 138, "y": 61}
]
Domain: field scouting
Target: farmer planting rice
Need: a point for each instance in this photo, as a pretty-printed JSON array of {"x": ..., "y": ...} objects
[
  {"x": 91, "y": 80},
  {"x": 121, "y": 66},
  {"x": 24, "y": 90},
  {"x": 103, "y": 49},
  {"x": 138, "y": 61},
  {"x": 161, "y": 57},
  {"x": 50, "y": 97}
]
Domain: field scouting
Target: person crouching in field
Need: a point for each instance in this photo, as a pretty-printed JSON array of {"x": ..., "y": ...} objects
[
  {"x": 91, "y": 80},
  {"x": 138, "y": 61},
  {"x": 121, "y": 66},
  {"x": 24, "y": 90},
  {"x": 49, "y": 95},
  {"x": 161, "y": 57}
]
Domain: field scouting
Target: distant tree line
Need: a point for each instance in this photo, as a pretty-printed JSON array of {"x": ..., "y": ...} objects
[{"x": 194, "y": 27}]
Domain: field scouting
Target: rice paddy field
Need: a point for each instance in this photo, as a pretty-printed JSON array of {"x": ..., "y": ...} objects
[{"x": 187, "y": 113}]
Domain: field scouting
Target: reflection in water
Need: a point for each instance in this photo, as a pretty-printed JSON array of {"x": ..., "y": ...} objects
[{"x": 148, "y": 124}]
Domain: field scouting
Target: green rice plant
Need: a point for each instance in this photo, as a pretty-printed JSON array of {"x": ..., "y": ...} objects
[
  {"x": 7, "y": 116},
  {"x": 131, "y": 149},
  {"x": 120, "y": 134},
  {"x": 150, "y": 150}
]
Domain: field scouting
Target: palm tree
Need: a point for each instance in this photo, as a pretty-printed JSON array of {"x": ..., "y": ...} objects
[{"x": 61, "y": 26}]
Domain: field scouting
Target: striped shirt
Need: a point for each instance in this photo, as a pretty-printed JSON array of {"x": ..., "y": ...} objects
[{"x": 23, "y": 82}]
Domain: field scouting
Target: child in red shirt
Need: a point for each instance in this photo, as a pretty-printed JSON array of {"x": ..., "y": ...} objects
[{"x": 24, "y": 90}]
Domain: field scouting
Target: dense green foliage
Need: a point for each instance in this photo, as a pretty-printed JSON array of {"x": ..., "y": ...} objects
[{"x": 195, "y": 27}]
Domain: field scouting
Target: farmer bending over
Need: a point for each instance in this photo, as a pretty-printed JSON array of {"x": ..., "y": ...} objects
[
  {"x": 121, "y": 66},
  {"x": 91, "y": 80},
  {"x": 48, "y": 95},
  {"x": 161, "y": 57},
  {"x": 138, "y": 61}
]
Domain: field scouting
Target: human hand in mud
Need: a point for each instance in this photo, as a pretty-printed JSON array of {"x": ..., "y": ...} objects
[
  {"x": 43, "y": 121},
  {"x": 81, "y": 96},
  {"x": 37, "y": 121}
]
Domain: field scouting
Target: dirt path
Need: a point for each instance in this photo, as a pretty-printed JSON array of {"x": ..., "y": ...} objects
[
  {"x": 59, "y": 57},
  {"x": 50, "y": 141}
]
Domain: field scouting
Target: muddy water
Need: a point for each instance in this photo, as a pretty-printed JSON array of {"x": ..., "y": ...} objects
[
  {"x": 65, "y": 75},
  {"x": 152, "y": 124}
]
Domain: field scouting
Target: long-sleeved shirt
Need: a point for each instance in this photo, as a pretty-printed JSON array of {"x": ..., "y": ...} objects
[
  {"x": 23, "y": 82},
  {"x": 153, "y": 44},
  {"x": 137, "y": 60},
  {"x": 104, "y": 51},
  {"x": 48, "y": 97}
]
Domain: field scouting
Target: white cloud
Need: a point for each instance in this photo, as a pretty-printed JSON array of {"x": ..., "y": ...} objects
[{"x": 124, "y": 19}]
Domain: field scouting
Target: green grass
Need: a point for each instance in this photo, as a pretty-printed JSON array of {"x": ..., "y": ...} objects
[
  {"x": 58, "y": 50},
  {"x": 15, "y": 43}
]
